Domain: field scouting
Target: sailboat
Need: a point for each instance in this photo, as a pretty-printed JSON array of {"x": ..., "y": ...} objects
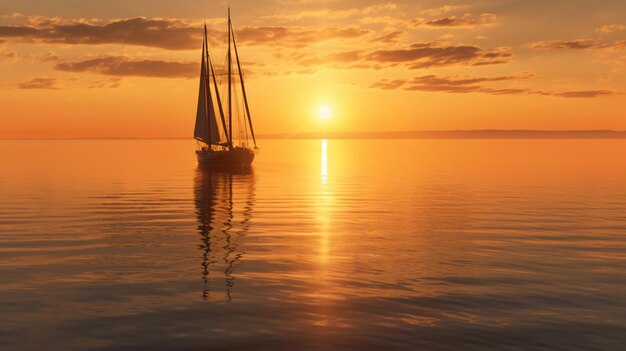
[{"x": 215, "y": 147}]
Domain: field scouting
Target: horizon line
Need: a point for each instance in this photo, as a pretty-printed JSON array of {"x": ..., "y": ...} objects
[{"x": 409, "y": 134}]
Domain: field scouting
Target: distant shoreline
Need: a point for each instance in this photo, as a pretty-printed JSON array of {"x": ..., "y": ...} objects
[
  {"x": 459, "y": 134},
  {"x": 424, "y": 134}
]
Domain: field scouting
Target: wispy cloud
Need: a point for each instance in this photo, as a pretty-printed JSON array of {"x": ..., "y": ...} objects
[
  {"x": 126, "y": 67},
  {"x": 581, "y": 93},
  {"x": 577, "y": 44},
  {"x": 610, "y": 28},
  {"x": 478, "y": 84},
  {"x": 388, "y": 38},
  {"x": 416, "y": 56},
  {"x": 465, "y": 21},
  {"x": 295, "y": 36},
  {"x": 432, "y": 54},
  {"x": 333, "y": 14},
  {"x": 39, "y": 83},
  {"x": 438, "y": 11},
  {"x": 465, "y": 84}
]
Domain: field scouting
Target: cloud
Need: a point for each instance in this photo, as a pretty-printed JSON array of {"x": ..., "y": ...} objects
[
  {"x": 465, "y": 21},
  {"x": 582, "y": 93},
  {"x": 113, "y": 83},
  {"x": 46, "y": 57},
  {"x": 17, "y": 31},
  {"x": 416, "y": 56},
  {"x": 610, "y": 28},
  {"x": 578, "y": 44},
  {"x": 125, "y": 67},
  {"x": 170, "y": 34},
  {"x": 387, "y": 84},
  {"x": 39, "y": 83},
  {"x": 434, "y": 83},
  {"x": 388, "y": 38},
  {"x": 432, "y": 54},
  {"x": 294, "y": 36},
  {"x": 309, "y": 59},
  {"x": 448, "y": 84},
  {"x": 333, "y": 14},
  {"x": 438, "y": 11},
  {"x": 7, "y": 56}
]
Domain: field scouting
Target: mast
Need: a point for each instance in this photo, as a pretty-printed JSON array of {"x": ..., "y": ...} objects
[
  {"x": 207, "y": 95},
  {"x": 230, "y": 105},
  {"x": 243, "y": 89},
  {"x": 217, "y": 92}
]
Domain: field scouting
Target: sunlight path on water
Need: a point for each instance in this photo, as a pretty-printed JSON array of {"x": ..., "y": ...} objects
[{"x": 322, "y": 245}]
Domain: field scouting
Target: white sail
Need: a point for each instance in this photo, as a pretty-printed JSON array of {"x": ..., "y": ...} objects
[{"x": 206, "y": 123}]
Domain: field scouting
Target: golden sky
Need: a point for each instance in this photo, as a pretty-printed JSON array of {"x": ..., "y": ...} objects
[{"x": 129, "y": 68}]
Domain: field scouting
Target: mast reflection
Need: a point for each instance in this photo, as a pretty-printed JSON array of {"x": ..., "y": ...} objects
[{"x": 224, "y": 200}]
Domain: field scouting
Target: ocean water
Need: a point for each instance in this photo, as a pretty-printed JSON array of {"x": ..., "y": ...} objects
[{"x": 322, "y": 245}]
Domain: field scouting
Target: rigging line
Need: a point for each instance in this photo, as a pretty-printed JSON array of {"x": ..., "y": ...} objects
[
  {"x": 230, "y": 114},
  {"x": 243, "y": 88},
  {"x": 245, "y": 129},
  {"x": 239, "y": 118}
]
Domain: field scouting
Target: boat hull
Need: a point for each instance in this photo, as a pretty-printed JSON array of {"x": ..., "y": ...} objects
[{"x": 238, "y": 156}]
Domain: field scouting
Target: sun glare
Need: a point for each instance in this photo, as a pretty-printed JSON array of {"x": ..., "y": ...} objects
[{"x": 325, "y": 112}]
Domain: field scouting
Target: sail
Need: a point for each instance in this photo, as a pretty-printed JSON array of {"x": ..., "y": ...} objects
[{"x": 206, "y": 123}]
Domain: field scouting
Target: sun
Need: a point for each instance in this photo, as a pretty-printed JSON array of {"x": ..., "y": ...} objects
[{"x": 325, "y": 113}]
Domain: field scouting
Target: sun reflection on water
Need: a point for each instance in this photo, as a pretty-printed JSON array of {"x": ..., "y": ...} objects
[
  {"x": 324, "y": 164},
  {"x": 324, "y": 203}
]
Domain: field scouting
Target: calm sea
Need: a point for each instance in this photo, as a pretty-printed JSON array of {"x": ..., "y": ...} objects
[{"x": 322, "y": 245}]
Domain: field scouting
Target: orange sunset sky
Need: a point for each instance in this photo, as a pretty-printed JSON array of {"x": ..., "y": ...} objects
[{"x": 129, "y": 68}]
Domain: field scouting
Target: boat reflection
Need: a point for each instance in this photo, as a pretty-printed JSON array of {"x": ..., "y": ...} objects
[{"x": 224, "y": 200}]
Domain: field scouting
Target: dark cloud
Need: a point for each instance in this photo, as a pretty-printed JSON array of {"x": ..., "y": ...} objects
[
  {"x": 464, "y": 81},
  {"x": 582, "y": 93},
  {"x": 160, "y": 33},
  {"x": 39, "y": 83},
  {"x": 171, "y": 34},
  {"x": 424, "y": 55},
  {"x": 388, "y": 38},
  {"x": 17, "y": 31},
  {"x": 126, "y": 67},
  {"x": 446, "y": 84},
  {"x": 416, "y": 56},
  {"x": 578, "y": 44},
  {"x": 465, "y": 21},
  {"x": 433, "y": 83},
  {"x": 461, "y": 84}
]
